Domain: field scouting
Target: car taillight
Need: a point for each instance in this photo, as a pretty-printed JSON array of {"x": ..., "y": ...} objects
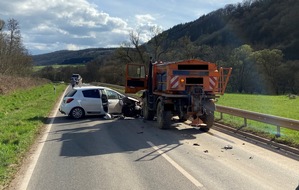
[{"x": 69, "y": 100}]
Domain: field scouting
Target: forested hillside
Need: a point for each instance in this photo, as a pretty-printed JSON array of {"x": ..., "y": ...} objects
[
  {"x": 65, "y": 57},
  {"x": 259, "y": 39},
  {"x": 263, "y": 24}
]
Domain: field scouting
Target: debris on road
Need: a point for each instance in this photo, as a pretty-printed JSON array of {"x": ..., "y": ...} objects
[
  {"x": 228, "y": 147},
  {"x": 196, "y": 144},
  {"x": 108, "y": 116}
]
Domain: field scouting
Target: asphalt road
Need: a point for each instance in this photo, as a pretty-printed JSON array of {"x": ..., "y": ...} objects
[{"x": 94, "y": 153}]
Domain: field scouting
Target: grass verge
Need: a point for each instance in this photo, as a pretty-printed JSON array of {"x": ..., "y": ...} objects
[
  {"x": 281, "y": 106},
  {"x": 22, "y": 114}
]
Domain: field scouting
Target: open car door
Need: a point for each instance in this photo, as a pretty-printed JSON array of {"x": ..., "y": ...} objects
[{"x": 136, "y": 79}]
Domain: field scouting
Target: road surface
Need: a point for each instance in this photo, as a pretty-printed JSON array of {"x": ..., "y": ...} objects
[{"x": 94, "y": 153}]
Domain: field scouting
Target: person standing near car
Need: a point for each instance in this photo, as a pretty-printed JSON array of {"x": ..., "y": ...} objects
[
  {"x": 105, "y": 103},
  {"x": 73, "y": 82}
]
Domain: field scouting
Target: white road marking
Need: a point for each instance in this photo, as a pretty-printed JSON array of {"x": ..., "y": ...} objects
[
  {"x": 29, "y": 172},
  {"x": 178, "y": 167}
]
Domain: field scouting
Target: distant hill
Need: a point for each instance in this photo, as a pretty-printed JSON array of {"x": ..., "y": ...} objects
[
  {"x": 65, "y": 57},
  {"x": 263, "y": 24}
]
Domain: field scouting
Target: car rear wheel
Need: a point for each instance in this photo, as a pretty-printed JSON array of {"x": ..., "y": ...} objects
[{"x": 77, "y": 113}]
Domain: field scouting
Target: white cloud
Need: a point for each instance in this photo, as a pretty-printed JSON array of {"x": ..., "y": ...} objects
[
  {"x": 145, "y": 19},
  {"x": 51, "y": 25},
  {"x": 72, "y": 47}
]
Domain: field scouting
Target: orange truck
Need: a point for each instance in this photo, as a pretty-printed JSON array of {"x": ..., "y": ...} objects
[{"x": 187, "y": 89}]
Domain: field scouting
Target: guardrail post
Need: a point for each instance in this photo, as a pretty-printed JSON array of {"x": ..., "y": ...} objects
[
  {"x": 245, "y": 122},
  {"x": 221, "y": 115},
  {"x": 278, "y": 131},
  {"x": 54, "y": 89}
]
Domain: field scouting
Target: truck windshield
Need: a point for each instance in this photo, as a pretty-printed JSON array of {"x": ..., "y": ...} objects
[{"x": 136, "y": 71}]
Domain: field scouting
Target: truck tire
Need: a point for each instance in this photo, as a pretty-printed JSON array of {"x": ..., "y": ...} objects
[
  {"x": 147, "y": 114},
  {"x": 163, "y": 117},
  {"x": 209, "y": 120},
  {"x": 182, "y": 118}
]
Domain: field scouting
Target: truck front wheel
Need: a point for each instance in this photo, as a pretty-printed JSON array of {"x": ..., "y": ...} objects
[
  {"x": 209, "y": 120},
  {"x": 147, "y": 114},
  {"x": 163, "y": 117}
]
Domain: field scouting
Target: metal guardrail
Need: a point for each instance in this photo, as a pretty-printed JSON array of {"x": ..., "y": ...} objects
[{"x": 269, "y": 119}]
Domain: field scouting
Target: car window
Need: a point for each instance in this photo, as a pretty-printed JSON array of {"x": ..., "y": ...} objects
[
  {"x": 112, "y": 95},
  {"x": 92, "y": 93},
  {"x": 71, "y": 93}
]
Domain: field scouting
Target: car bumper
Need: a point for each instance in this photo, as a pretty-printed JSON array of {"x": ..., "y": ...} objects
[{"x": 61, "y": 111}]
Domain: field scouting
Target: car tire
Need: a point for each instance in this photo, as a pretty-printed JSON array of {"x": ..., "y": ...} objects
[{"x": 77, "y": 113}]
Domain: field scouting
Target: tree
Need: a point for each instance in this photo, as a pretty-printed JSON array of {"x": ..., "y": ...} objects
[
  {"x": 134, "y": 51},
  {"x": 135, "y": 41},
  {"x": 157, "y": 42},
  {"x": 14, "y": 58},
  {"x": 186, "y": 49},
  {"x": 241, "y": 63},
  {"x": 269, "y": 62},
  {"x": 131, "y": 51},
  {"x": 1, "y": 24}
]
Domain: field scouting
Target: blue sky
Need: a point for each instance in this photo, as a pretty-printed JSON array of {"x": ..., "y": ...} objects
[{"x": 52, "y": 25}]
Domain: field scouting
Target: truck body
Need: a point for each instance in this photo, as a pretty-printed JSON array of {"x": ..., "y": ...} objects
[{"x": 186, "y": 89}]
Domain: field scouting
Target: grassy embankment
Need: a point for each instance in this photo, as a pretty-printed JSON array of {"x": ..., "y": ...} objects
[
  {"x": 281, "y": 106},
  {"x": 22, "y": 115},
  {"x": 37, "y": 68}
]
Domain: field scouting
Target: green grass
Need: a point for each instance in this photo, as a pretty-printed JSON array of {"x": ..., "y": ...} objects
[
  {"x": 281, "y": 106},
  {"x": 37, "y": 68},
  {"x": 22, "y": 114}
]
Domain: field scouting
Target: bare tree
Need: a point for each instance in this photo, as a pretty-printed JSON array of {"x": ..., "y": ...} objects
[
  {"x": 135, "y": 41},
  {"x": 157, "y": 41},
  {"x": 135, "y": 51},
  {"x": 124, "y": 53},
  {"x": 14, "y": 58},
  {"x": 2, "y": 23}
]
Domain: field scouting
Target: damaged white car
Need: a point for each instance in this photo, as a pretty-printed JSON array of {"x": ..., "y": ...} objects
[{"x": 97, "y": 100}]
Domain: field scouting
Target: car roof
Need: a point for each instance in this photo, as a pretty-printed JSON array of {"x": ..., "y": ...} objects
[{"x": 90, "y": 87}]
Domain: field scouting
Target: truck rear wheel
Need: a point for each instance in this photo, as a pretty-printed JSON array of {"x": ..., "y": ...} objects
[
  {"x": 163, "y": 117},
  {"x": 209, "y": 120},
  {"x": 147, "y": 114}
]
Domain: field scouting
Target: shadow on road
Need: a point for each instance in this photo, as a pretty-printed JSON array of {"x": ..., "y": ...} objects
[{"x": 96, "y": 136}]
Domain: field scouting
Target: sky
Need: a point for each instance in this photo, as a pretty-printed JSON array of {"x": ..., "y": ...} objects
[{"x": 52, "y": 25}]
